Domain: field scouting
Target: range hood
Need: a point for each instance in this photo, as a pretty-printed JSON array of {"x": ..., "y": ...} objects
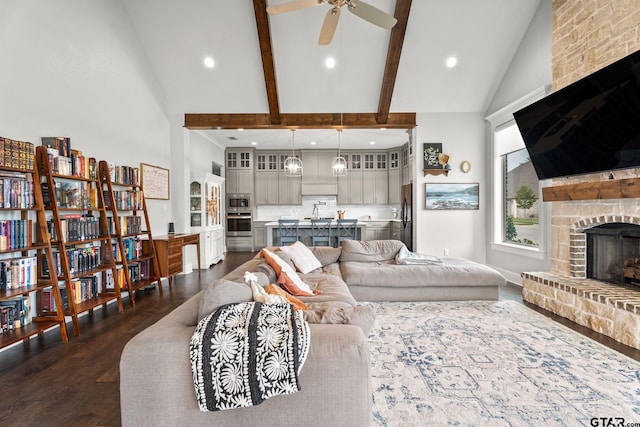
[{"x": 319, "y": 189}]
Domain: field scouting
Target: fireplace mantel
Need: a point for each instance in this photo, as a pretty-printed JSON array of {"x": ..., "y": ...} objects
[{"x": 611, "y": 189}]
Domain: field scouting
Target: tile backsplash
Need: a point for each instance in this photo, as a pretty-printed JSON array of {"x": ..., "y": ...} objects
[{"x": 327, "y": 208}]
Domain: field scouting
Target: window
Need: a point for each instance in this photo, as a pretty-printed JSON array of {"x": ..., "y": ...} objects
[{"x": 519, "y": 190}]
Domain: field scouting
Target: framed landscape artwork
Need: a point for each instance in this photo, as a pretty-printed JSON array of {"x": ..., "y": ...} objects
[{"x": 444, "y": 196}]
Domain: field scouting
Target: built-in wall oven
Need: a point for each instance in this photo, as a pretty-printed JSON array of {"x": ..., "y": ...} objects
[{"x": 239, "y": 224}]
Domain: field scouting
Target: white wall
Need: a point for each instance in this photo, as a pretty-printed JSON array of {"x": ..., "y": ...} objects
[
  {"x": 204, "y": 151},
  {"x": 77, "y": 69},
  {"x": 530, "y": 69},
  {"x": 462, "y": 232}
]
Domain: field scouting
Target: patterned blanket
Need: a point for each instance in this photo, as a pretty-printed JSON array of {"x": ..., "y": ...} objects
[{"x": 245, "y": 353}]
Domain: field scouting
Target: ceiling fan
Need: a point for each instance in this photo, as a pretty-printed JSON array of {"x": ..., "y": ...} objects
[{"x": 357, "y": 7}]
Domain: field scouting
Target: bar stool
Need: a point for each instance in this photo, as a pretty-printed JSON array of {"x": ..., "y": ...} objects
[
  {"x": 347, "y": 229},
  {"x": 320, "y": 231},
  {"x": 289, "y": 231}
]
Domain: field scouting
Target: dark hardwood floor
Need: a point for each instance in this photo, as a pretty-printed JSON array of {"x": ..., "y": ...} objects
[{"x": 47, "y": 382}]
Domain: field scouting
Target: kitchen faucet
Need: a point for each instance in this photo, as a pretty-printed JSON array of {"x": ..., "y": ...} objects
[{"x": 315, "y": 213}]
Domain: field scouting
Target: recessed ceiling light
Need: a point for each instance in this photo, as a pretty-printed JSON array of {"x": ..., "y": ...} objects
[
  {"x": 240, "y": 129},
  {"x": 312, "y": 143},
  {"x": 254, "y": 143},
  {"x": 452, "y": 61},
  {"x": 330, "y": 62},
  {"x": 383, "y": 128},
  {"x": 209, "y": 62},
  {"x": 372, "y": 143}
]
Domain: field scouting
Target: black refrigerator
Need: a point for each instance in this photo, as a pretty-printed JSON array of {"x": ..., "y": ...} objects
[{"x": 406, "y": 216}]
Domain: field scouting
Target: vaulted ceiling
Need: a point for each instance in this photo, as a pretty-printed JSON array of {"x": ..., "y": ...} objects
[{"x": 269, "y": 69}]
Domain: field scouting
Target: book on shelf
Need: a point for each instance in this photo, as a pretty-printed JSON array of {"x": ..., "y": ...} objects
[
  {"x": 16, "y": 154},
  {"x": 18, "y": 273},
  {"x": 15, "y": 233},
  {"x": 125, "y": 175},
  {"x": 15, "y": 191},
  {"x": 20, "y": 306}
]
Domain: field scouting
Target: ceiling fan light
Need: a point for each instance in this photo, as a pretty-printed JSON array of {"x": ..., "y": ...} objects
[{"x": 339, "y": 166}]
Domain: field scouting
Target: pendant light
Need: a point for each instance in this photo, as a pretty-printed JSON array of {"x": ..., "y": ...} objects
[
  {"x": 293, "y": 164},
  {"x": 339, "y": 165}
]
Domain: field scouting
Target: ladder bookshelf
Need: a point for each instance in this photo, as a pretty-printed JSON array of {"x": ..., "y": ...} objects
[
  {"x": 84, "y": 258},
  {"x": 140, "y": 263},
  {"x": 34, "y": 247}
]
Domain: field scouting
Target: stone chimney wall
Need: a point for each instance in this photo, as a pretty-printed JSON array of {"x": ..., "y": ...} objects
[{"x": 587, "y": 36}]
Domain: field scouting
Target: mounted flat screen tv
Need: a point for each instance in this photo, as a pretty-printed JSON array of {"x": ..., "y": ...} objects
[{"x": 592, "y": 125}]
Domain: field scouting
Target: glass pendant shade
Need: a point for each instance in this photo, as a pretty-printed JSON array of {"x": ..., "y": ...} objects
[
  {"x": 339, "y": 166},
  {"x": 293, "y": 164}
]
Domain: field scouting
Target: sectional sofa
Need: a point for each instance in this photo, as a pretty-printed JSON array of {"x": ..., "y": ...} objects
[{"x": 156, "y": 384}]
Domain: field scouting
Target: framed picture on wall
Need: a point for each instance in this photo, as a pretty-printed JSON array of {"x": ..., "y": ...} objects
[
  {"x": 430, "y": 154},
  {"x": 459, "y": 196}
]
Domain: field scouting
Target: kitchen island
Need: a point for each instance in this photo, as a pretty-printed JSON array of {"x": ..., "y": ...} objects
[{"x": 305, "y": 231}]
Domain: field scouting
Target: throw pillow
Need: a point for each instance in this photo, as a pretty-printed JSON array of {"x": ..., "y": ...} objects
[
  {"x": 302, "y": 257},
  {"x": 287, "y": 276},
  {"x": 283, "y": 255},
  {"x": 268, "y": 271},
  {"x": 277, "y": 291},
  {"x": 326, "y": 255},
  {"x": 221, "y": 292}
]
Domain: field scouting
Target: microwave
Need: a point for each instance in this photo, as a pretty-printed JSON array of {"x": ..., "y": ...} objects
[{"x": 238, "y": 201}]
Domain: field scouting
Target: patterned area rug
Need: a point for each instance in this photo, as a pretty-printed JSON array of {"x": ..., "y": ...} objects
[{"x": 493, "y": 364}]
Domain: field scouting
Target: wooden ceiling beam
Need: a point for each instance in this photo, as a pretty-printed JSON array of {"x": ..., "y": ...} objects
[
  {"x": 268, "y": 66},
  {"x": 396, "y": 40},
  {"x": 299, "y": 121}
]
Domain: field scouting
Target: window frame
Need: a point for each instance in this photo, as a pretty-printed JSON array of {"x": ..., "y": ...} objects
[{"x": 500, "y": 120}]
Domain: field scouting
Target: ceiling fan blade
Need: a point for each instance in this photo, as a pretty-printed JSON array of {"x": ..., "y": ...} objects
[
  {"x": 372, "y": 14},
  {"x": 329, "y": 26},
  {"x": 293, "y": 6}
]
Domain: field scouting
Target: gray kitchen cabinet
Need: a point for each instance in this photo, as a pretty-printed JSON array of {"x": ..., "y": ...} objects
[
  {"x": 239, "y": 181},
  {"x": 378, "y": 230},
  {"x": 259, "y": 234},
  {"x": 375, "y": 187},
  {"x": 395, "y": 176},
  {"x": 289, "y": 187},
  {"x": 396, "y": 230},
  {"x": 266, "y": 179},
  {"x": 239, "y": 171},
  {"x": 395, "y": 181}
]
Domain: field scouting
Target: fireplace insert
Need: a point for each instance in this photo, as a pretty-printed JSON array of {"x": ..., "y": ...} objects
[{"x": 613, "y": 253}]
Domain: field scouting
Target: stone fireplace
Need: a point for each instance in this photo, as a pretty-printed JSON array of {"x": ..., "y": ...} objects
[
  {"x": 586, "y": 36},
  {"x": 593, "y": 293}
]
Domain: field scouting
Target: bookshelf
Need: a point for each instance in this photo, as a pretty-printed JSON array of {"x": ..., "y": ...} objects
[
  {"x": 78, "y": 226},
  {"x": 22, "y": 287},
  {"x": 124, "y": 198}
]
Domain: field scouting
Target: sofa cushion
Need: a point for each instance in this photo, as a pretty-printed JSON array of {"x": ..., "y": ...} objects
[
  {"x": 454, "y": 272},
  {"x": 302, "y": 257},
  {"x": 327, "y": 288},
  {"x": 287, "y": 276},
  {"x": 370, "y": 251},
  {"x": 221, "y": 292},
  {"x": 326, "y": 255},
  {"x": 363, "y": 316}
]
